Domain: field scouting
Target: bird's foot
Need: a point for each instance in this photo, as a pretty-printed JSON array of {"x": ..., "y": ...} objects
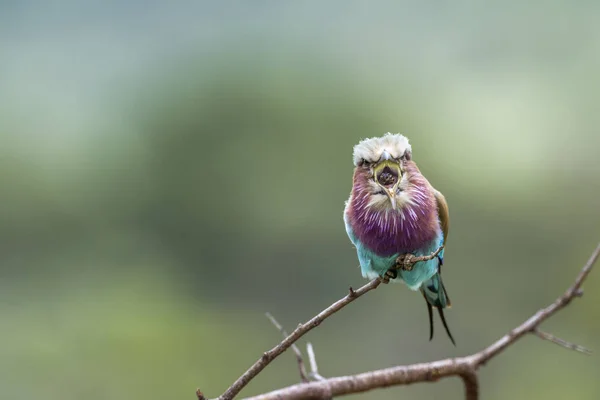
[
  {"x": 391, "y": 273},
  {"x": 405, "y": 262}
]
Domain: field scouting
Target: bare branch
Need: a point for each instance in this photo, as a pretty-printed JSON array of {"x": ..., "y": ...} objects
[
  {"x": 344, "y": 385},
  {"x": 301, "y": 368},
  {"x": 465, "y": 367},
  {"x": 561, "y": 342}
]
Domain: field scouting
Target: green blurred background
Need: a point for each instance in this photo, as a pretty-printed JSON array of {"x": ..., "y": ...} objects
[{"x": 172, "y": 171}]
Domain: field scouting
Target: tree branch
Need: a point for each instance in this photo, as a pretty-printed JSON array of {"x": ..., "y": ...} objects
[
  {"x": 464, "y": 367},
  {"x": 471, "y": 383}
]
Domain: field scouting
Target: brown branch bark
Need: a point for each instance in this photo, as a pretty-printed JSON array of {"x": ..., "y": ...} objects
[
  {"x": 464, "y": 367},
  {"x": 471, "y": 382}
]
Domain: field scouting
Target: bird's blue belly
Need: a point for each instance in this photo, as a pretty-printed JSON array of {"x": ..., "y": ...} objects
[{"x": 373, "y": 266}]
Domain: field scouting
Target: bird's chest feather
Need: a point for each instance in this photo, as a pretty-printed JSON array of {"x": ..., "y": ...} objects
[{"x": 389, "y": 232}]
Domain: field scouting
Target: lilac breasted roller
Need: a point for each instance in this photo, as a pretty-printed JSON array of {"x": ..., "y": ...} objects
[{"x": 393, "y": 210}]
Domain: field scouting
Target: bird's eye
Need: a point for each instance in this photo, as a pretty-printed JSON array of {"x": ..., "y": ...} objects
[{"x": 364, "y": 163}]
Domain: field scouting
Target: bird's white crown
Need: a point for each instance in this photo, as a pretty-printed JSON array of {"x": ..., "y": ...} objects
[{"x": 371, "y": 150}]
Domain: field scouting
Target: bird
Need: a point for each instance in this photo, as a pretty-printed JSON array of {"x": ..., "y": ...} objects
[{"x": 394, "y": 211}]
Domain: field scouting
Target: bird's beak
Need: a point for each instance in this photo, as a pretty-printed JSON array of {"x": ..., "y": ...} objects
[
  {"x": 392, "y": 195},
  {"x": 387, "y": 175}
]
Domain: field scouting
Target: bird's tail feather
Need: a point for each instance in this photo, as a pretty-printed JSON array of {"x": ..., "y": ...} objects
[{"x": 436, "y": 296}]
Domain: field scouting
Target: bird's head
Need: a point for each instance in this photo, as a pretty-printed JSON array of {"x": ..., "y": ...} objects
[{"x": 383, "y": 171}]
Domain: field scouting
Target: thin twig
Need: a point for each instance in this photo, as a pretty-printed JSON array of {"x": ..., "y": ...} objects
[
  {"x": 301, "y": 368},
  {"x": 561, "y": 342},
  {"x": 314, "y": 369},
  {"x": 465, "y": 367}
]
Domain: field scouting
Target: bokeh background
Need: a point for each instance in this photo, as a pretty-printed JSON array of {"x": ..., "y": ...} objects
[{"x": 172, "y": 170}]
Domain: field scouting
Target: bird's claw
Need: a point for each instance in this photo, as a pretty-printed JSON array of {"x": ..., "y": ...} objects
[
  {"x": 391, "y": 273},
  {"x": 405, "y": 262}
]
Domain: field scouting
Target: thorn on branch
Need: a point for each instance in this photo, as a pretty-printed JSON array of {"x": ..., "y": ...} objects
[
  {"x": 563, "y": 343},
  {"x": 351, "y": 292},
  {"x": 200, "y": 395}
]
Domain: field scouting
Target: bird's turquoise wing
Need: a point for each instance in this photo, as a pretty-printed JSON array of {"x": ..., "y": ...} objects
[{"x": 433, "y": 289}]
